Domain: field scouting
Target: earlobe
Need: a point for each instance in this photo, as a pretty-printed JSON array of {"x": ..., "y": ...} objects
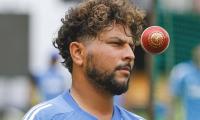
[{"x": 76, "y": 51}]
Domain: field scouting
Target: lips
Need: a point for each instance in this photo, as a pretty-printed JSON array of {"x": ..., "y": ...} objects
[{"x": 126, "y": 68}]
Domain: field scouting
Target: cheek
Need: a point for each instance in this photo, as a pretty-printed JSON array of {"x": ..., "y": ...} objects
[{"x": 106, "y": 59}]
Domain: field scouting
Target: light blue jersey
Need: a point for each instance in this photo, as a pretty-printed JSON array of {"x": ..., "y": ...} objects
[
  {"x": 185, "y": 82},
  {"x": 51, "y": 83},
  {"x": 64, "y": 107}
]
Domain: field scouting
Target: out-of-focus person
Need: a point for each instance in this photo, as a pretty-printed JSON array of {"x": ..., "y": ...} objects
[
  {"x": 52, "y": 82},
  {"x": 185, "y": 85}
]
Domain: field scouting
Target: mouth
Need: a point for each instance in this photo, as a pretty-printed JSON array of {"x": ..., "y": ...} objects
[{"x": 125, "y": 69}]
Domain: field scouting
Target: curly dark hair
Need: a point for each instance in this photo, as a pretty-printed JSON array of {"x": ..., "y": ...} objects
[{"x": 92, "y": 16}]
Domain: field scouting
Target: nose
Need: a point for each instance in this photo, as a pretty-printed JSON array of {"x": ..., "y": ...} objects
[{"x": 128, "y": 54}]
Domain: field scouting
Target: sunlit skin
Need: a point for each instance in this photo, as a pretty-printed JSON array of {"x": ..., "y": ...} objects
[{"x": 111, "y": 49}]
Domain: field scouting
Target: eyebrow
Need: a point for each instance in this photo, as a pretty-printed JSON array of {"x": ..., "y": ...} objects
[{"x": 122, "y": 40}]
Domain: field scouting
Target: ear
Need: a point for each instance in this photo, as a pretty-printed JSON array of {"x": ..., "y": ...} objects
[{"x": 77, "y": 52}]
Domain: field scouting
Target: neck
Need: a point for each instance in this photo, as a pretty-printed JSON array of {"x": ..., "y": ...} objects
[{"x": 91, "y": 99}]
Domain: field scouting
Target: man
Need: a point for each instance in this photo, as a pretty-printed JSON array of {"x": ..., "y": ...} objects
[
  {"x": 52, "y": 81},
  {"x": 185, "y": 84},
  {"x": 97, "y": 41}
]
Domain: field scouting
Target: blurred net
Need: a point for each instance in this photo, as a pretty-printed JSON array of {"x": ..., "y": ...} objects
[{"x": 184, "y": 35}]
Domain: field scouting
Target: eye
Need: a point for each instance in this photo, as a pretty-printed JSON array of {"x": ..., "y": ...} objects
[{"x": 116, "y": 43}]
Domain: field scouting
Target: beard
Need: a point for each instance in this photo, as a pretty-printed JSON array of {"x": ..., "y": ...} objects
[{"x": 105, "y": 81}]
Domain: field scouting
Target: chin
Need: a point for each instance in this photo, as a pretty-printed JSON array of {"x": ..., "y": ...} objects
[
  {"x": 122, "y": 81},
  {"x": 120, "y": 87},
  {"x": 120, "y": 90}
]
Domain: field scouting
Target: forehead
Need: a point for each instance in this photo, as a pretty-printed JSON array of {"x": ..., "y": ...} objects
[{"x": 116, "y": 30}]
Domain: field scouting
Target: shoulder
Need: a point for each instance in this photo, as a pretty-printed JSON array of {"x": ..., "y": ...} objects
[
  {"x": 184, "y": 65},
  {"x": 48, "y": 110},
  {"x": 128, "y": 115},
  {"x": 35, "y": 112},
  {"x": 181, "y": 70}
]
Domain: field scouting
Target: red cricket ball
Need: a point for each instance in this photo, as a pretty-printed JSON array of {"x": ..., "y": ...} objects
[{"x": 155, "y": 40}]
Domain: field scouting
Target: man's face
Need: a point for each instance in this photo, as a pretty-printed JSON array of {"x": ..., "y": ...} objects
[{"x": 110, "y": 60}]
